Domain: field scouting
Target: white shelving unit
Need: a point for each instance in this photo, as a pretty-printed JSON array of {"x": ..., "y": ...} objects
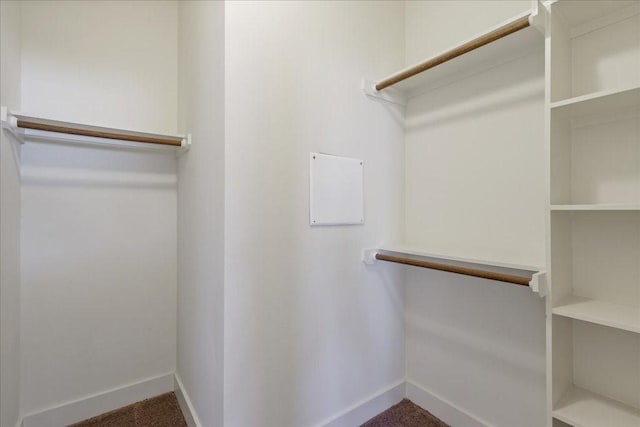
[{"x": 593, "y": 51}]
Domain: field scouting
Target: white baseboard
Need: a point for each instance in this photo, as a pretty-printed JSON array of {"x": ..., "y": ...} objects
[
  {"x": 81, "y": 409},
  {"x": 355, "y": 415},
  {"x": 441, "y": 408},
  {"x": 186, "y": 406},
  {"x": 368, "y": 408}
]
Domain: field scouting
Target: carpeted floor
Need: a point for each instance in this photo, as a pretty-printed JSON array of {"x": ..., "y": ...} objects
[
  {"x": 404, "y": 414},
  {"x": 160, "y": 411}
]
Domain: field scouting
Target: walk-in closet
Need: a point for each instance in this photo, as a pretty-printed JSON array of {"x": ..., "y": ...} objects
[{"x": 320, "y": 213}]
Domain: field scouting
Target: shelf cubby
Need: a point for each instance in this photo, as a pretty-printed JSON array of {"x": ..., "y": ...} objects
[
  {"x": 595, "y": 152},
  {"x": 594, "y": 47},
  {"x": 580, "y": 407},
  {"x": 597, "y": 375},
  {"x": 595, "y": 267}
]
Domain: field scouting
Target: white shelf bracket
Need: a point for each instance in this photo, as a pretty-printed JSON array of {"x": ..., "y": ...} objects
[
  {"x": 10, "y": 124},
  {"x": 539, "y": 17},
  {"x": 369, "y": 256},
  {"x": 389, "y": 95},
  {"x": 538, "y": 284},
  {"x": 186, "y": 145}
]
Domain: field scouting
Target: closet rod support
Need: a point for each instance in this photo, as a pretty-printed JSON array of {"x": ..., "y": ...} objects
[
  {"x": 391, "y": 95},
  {"x": 10, "y": 124},
  {"x": 186, "y": 145}
]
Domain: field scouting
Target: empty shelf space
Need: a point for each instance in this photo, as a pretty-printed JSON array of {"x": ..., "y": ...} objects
[
  {"x": 600, "y": 312},
  {"x": 594, "y": 158},
  {"x": 579, "y": 407},
  {"x": 595, "y": 254},
  {"x": 599, "y": 103},
  {"x": 593, "y": 51},
  {"x": 598, "y": 207}
]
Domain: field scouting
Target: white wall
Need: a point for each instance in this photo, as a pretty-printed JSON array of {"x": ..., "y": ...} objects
[
  {"x": 434, "y": 26},
  {"x": 201, "y": 208},
  {"x": 98, "y": 226},
  {"x": 106, "y": 63},
  {"x": 9, "y": 220},
  {"x": 309, "y": 331},
  {"x": 475, "y": 188},
  {"x": 475, "y": 166}
]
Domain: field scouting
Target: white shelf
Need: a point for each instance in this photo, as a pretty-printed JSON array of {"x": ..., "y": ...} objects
[
  {"x": 28, "y": 128},
  {"x": 599, "y": 102},
  {"x": 582, "y": 408},
  {"x": 503, "y": 50},
  {"x": 514, "y": 268},
  {"x": 533, "y": 277},
  {"x": 598, "y": 207},
  {"x": 600, "y": 312}
]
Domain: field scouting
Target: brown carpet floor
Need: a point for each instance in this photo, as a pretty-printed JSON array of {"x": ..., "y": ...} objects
[
  {"x": 404, "y": 414},
  {"x": 160, "y": 411}
]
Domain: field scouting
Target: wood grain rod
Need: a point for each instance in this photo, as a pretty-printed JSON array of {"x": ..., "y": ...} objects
[
  {"x": 98, "y": 134},
  {"x": 510, "y": 28},
  {"x": 501, "y": 277}
]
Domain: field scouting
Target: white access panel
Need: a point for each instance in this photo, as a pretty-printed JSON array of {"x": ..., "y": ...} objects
[{"x": 336, "y": 187}]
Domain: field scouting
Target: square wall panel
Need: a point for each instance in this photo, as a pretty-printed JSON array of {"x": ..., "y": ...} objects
[{"x": 336, "y": 190}]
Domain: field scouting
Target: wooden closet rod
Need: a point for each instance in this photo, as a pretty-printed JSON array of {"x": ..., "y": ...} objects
[
  {"x": 97, "y": 133},
  {"x": 501, "y": 277},
  {"x": 512, "y": 27}
]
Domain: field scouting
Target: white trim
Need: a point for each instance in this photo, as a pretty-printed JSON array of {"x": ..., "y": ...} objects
[
  {"x": 91, "y": 406},
  {"x": 367, "y": 408},
  {"x": 188, "y": 411},
  {"x": 441, "y": 408}
]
